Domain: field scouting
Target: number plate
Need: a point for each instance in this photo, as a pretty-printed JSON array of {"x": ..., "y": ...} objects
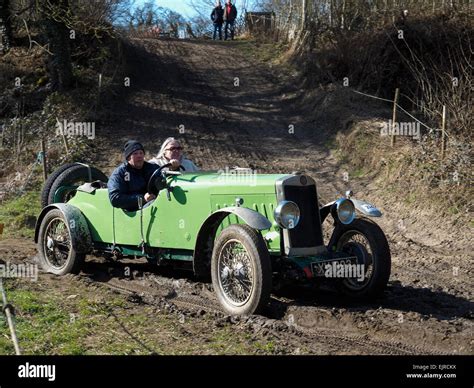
[{"x": 319, "y": 267}]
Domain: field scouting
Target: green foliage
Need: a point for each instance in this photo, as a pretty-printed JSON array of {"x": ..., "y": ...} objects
[{"x": 19, "y": 214}]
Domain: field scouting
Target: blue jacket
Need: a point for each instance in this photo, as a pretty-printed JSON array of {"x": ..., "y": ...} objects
[{"x": 127, "y": 184}]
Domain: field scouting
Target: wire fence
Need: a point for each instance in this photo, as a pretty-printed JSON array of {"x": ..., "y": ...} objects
[
  {"x": 399, "y": 107},
  {"x": 396, "y": 105}
]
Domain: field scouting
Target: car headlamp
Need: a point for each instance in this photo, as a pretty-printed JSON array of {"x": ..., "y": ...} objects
[
  {"x": 287, "y": 214},
  {"x": 345, "y": 211}
]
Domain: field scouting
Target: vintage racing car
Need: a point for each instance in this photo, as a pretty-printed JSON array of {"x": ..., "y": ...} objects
[{"x": 247, "y": 232}]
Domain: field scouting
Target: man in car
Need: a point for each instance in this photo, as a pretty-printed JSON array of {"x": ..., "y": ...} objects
[{"x": 128, "y": 183}]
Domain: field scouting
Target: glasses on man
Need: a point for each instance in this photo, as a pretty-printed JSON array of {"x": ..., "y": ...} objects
[{"x": 175, "y": 149}]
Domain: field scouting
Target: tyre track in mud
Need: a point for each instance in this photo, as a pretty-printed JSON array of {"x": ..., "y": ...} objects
[
  {"x": 250, "y": 136},
  {"x": 325, "y": 336},
  {"x": 151, "y": 288}
]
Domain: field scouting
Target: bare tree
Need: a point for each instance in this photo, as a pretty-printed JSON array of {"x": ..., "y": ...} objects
[
  {"x": 56, "y": 18},
  {"x": 5, "y": 25}
]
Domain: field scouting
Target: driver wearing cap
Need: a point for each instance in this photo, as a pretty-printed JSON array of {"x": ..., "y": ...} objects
[{"x": 128, "y": 183}]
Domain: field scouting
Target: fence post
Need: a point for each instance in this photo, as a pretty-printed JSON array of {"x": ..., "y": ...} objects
[
  {"x": 43, "y": 160},
  {"x": 7, "y": 309},
  {"x": 394, "y": 116},
  {"x": 443, "y": 133},
  {"x": 63, "y": 130},
  {"x": 303, "y": 15},
  {"x": 99, "y": 90}
]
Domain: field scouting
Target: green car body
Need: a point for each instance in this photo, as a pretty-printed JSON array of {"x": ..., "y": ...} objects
[{"x": 175, "y": 223}]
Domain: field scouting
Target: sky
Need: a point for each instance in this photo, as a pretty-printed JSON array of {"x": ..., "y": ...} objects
[{"x": 180, "y": 6}]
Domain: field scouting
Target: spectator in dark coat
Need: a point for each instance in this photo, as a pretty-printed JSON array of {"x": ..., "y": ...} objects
[
  {"x": 217, "y": 17},
  {"x": 128, "y": 183},
  {"x": 230, "y": 14}
]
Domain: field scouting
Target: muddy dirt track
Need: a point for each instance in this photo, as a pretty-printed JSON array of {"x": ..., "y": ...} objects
[{"x": 238, "y": 112}]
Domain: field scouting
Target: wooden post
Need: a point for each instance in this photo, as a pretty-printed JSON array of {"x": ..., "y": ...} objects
[
  {"x": 63, "y": 135},
  {"x": 4, "y": 129},
  {"x": 8, "y": 313},
  {"x": 394, "y": 116},
  {"x": 98, "y": 93},
  {"x": 65, "y": 144},
  {"x": 43, "y": 160},
  {"x": 303, "y": 14},
  {"x": 443, "y": 133}
]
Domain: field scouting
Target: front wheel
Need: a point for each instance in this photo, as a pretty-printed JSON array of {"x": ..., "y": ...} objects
[
  {"x": 241, "y": 270},
  {"x": 56, "y": 251},
  {"x": 366, "y": 241}
]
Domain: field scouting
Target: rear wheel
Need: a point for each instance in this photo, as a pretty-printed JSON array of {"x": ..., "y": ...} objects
[
  {"x": 69, "y": 179},
  {"x": 56, "y": 251},
  {"x": 241, "y": 270}
]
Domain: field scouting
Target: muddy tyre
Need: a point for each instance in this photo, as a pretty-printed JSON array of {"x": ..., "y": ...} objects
[
  {"x": 73, "y": 176},
  {"x": 56, "y": 251},
  {"x": 49, "y": 182},
  {"x": 365, "y": 240},
  {"x": 241, "y": 270}
]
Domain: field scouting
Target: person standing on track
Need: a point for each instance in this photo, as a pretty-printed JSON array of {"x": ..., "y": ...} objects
[
  {"x": 230, "y": 14},
  {"x": 217, "y": 17}
]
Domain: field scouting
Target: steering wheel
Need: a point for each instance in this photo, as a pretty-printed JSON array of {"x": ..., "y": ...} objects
[{"x": 157, "y": 181}]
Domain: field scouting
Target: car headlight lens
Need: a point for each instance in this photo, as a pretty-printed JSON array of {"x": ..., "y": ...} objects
[
  {"x": 287, "y": 214},
  {"x": 345, "y": 211}
]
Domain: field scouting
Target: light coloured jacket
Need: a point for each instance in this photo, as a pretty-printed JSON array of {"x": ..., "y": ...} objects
[{"x": 188, "y": 165}]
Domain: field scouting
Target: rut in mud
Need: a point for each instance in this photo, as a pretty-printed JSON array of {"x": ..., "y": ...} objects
[{"x": 234, "y": 111}]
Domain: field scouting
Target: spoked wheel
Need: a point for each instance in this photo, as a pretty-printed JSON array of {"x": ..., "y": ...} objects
[
  {"x": 56, "y": 251},
  {"x": 367, "y": 242},
  {"x": 236, "y": 272},
  {"x": 241, "y": 270}
]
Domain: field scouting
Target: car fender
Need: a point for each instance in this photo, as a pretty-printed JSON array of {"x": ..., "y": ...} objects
[
  {"x": 366, "y": 208},
  {"x": 207, "y": 232},
  {"x": 251, "y": 217},
  {"x": 77, "y": 224}
]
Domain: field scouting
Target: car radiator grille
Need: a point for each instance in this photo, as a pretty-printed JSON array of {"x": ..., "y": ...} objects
[{"x": 308, "y": 232}]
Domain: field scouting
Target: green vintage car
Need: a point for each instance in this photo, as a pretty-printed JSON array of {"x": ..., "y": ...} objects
[{"x": 248, "y": 232}]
